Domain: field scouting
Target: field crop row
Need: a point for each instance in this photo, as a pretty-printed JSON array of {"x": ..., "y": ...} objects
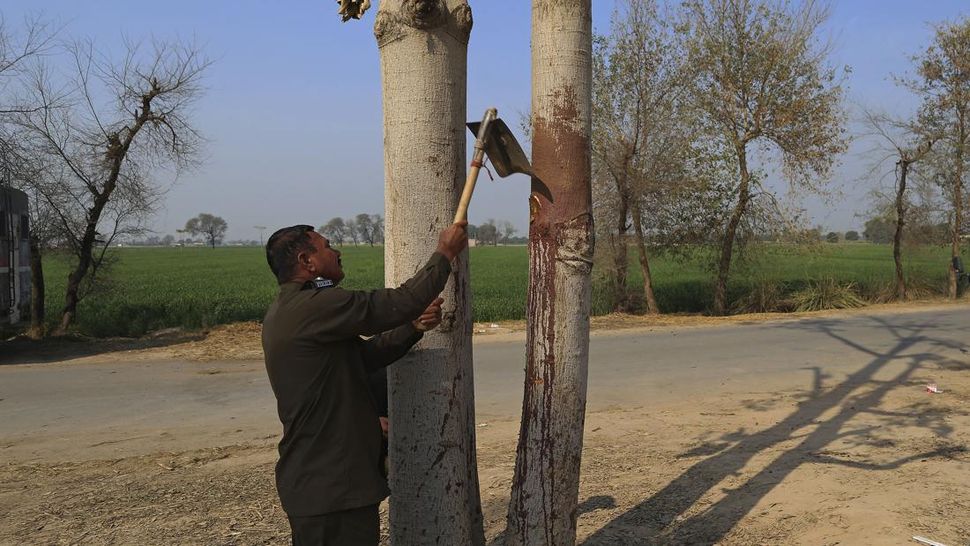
[{"x": 154, "y": 288}]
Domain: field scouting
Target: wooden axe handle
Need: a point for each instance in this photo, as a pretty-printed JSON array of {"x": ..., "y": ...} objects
[
  {"x": 477, "y": 158},
  {"x": 466, "y": 194}
]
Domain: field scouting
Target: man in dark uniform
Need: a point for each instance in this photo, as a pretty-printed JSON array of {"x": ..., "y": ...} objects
[{"x": 330, "y": 473}]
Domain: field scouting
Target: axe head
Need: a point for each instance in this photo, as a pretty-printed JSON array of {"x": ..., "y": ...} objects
[{"x": 502, "y": 149}]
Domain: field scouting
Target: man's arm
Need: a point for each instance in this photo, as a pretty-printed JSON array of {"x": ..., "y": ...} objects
[
  {"x": 388, "y": 347},
  {"x": 344, "y": 313},
  {"x": 347, "y": 313},
  {"x": 385, "y": 349}
]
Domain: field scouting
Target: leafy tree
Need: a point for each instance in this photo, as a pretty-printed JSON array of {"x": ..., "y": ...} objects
[
  {"x": 760, "y": 78},
  {"x": 851, "y": 235},
  {"x": 832, "y": 237},
  {"x": 643, "y": 142},
  {"x": 944, "y": 84},
  {"x": 365, "y": 228},
  {"x": 335, "y": 230},
  {"x": 507, "y": 229},
  {"x": 351, "y": 230},
  {"x": 879, "y": 230},
  {"x": 488, "y": 233},
  {"x": 212, "y": 228},
  {"x": 377, "y": 223}
]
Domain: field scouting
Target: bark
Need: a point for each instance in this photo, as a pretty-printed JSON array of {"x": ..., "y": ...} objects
[
  {"x": 37, "y": 291},
  {"x": 545, "y": 488},
  {"x": 433, "y": 472},
  {"x": 85, "y": 257},
  {"x": 648, "y": 295},
  {"x": 730, "y": 234},
  {"x": 898, "y": 237},
  {"x": 117, "y": 150},
  {"x": 954, "y": 277},
  {"x": 621, "y": 299}
]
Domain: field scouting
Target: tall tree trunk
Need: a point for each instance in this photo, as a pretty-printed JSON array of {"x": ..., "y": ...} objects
[
  {"x": 37, "y": 291},
  {"x": 898, "y": 237},
  {"x": 545, "y": 488},
  {"x": 621, "y": 300},
  {"x": 433, "y": 474},
  {"x": 727, "y": 245},
  {"x": 957, "y": 206},
  {"x": 115, "y": 154},
  {"x": 648, "y": 296}
]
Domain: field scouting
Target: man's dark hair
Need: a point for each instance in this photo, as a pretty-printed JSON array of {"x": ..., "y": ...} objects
[{"x": 284, "y": 246}]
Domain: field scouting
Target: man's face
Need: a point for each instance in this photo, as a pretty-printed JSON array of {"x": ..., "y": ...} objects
[{"x": 325, "y": 260}]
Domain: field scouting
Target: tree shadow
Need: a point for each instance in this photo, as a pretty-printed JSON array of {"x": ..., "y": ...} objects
[
  {"x": 23, "y": 350},
  {"x": 661, "y": 518}
]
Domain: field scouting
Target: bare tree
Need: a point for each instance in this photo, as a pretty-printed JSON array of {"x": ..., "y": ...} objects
[
  {"x": 906, "y": 147},
  {"x": 423, "y": 50},
  {"x": 944, "y": 86},
  {"x": 18, "y": 167},
  {"x": 106, "y": 127},
  {"x": 545, "y": 487},
  {"x": 760, "y": 76}
]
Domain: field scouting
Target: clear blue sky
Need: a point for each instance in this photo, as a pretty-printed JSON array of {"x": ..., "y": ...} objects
[{"x": 293, "y": 108}]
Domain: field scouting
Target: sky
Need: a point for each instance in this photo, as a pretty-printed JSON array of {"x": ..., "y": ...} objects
[{"x": 292, "y": 109}]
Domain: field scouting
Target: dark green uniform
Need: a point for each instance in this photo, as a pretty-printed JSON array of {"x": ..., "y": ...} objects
[{"x": 330, "y": 454}]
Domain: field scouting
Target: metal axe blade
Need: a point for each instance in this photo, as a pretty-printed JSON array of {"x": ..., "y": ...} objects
[{"x": 503, "y": 149}]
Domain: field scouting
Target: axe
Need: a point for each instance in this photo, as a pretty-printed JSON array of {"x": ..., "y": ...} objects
[{"x": 492, "y": 137}]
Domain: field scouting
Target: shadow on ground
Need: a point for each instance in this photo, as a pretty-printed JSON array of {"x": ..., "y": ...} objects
[
  {"x": 662, "y": 519},
  {"x": 23, "y": 350}
]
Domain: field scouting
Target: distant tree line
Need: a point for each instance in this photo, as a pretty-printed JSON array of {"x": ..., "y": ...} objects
[
  {"x": 368, "y": 229},
  {"x": 492, "y": 233},
  {"x": 361, "y": 229}
]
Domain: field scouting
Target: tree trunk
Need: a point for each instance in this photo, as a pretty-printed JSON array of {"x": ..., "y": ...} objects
[
  {"x": 898, "y": 237},
  {"x": 433, "y": 469},
  {"x": 85, "y": 258},
  {"x": 115, "y": 154},
  {"x": 648, "y": 296},
  {"x": 954, "y": 277},
  {"x": 545, "y": 488},
  {"x": 37, "y": 291},
  {"x": 621, "y": 300},
  {"x": 727, "y": 245}
]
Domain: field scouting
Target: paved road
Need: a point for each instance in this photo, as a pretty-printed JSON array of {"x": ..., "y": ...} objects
[{"x": 58, "y": 411}]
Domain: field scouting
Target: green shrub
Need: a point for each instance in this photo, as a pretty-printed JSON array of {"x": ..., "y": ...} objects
[{"x": 826, "y": 294}]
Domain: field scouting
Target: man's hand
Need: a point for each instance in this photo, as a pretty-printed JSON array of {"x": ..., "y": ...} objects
[
  {"x": 430, "y": 318},
  {"x": 453, "y": 240}
]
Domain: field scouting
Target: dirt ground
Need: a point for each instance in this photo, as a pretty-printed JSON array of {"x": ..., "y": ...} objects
[{"x": 871, "y": 462}]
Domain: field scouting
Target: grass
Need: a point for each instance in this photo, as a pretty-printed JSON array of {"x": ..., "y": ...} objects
[{"x": 154, "y": 288}]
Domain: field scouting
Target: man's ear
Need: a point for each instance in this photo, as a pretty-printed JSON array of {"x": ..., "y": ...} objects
[{"x": 303, "y": 259}]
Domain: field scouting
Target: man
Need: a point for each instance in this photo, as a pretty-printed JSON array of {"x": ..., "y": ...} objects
[{"x": 329, "y": 475}]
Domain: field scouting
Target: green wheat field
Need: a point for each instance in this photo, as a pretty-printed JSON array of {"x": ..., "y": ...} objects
[{"x": 153, "y": 288}]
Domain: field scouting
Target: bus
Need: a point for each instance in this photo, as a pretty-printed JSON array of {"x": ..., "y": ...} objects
[{"x": 14, "y": 257}]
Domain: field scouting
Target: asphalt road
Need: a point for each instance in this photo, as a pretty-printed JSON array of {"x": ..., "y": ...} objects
[{"x": 72, "y": 411}]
